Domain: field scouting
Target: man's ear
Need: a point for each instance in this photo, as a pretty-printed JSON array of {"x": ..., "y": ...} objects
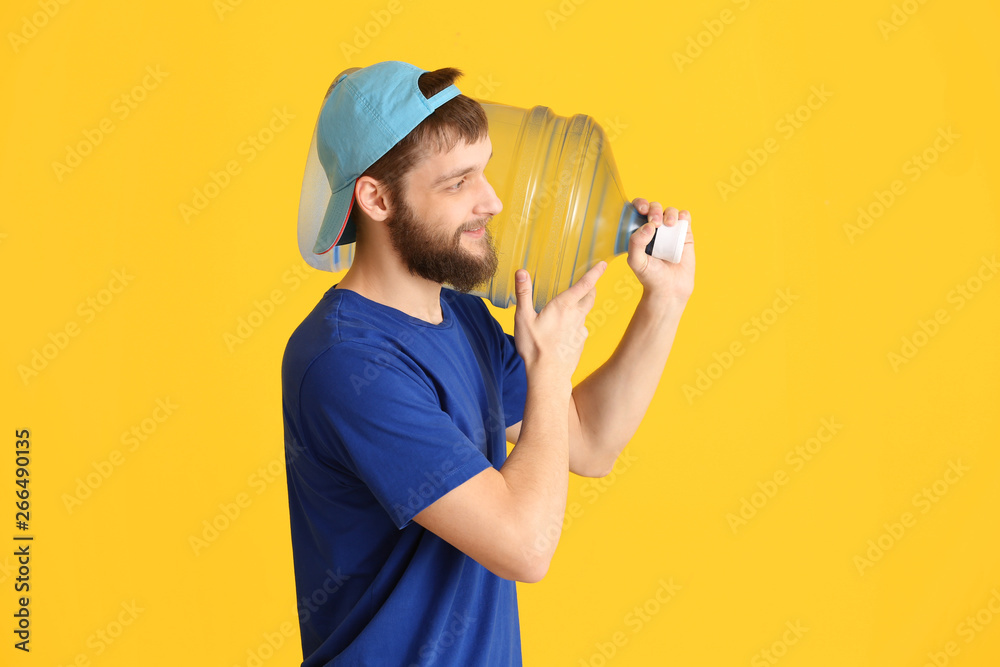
[{"x": 371, "y": 197}]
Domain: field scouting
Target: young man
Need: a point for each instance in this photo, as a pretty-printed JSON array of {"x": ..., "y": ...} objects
[{"x": 410, "y": 524}]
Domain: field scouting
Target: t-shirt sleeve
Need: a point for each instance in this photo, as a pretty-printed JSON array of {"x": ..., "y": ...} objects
[{"x": 377, "y": 416}]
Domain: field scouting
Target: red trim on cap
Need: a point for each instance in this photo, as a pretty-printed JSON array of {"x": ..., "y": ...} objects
[{"x": 342, "y": 226}]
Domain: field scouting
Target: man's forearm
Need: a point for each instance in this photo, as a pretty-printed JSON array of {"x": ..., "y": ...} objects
[
  {"x": 537, "y": 470},
  {"x": 614, "y": 398}
]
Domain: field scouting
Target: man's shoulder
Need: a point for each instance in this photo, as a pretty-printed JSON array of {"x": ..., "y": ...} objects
[
  {"x": 341, "y": 317},
  {"x": 332, "y": 329}
]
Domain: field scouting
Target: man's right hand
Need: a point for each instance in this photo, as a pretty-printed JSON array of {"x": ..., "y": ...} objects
[{"x": 553, "y": 338}]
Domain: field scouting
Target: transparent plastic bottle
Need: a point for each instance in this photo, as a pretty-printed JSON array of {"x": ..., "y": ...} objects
[{"x": 563, "y": 205}]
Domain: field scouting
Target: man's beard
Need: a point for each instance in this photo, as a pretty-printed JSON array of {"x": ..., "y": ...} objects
[{"x": 440, "y": 258}]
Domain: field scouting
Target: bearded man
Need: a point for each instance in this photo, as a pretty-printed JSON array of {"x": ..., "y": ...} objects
[{"x": 400, "y": 391}]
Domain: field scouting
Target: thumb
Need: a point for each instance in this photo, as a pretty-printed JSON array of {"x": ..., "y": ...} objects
[
  {"x": 522, "y": 289},
  {"x": 637, "y": 257}
]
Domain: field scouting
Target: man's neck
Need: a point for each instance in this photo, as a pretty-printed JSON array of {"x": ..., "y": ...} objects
[{"x": 392, "y": 285}]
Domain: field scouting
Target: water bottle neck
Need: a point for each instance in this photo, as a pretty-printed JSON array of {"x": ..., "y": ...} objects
[{"x": 630, "y": 221}]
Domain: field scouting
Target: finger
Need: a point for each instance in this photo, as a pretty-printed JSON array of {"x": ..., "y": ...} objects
[
  {"x": 686, "y": 215},
  {"x": 640, "y": 205},
  {"x": 670, "y": 216},
  {"x": 655, "y": 214},
  {"x": 587, "y": 282},
  {"x": 524, "y": 307}
]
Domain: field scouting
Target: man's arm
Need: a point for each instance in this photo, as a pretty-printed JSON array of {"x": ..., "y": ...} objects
[
  {"x": 607, "y": 407},
  {"x": 612, "y": 400},
  {"x": 577, "y": 450},
  {"x": 509, "y": 520},
  {"x": 503, "y": 519}
]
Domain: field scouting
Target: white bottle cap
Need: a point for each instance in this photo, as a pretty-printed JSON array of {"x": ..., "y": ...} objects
[{"x": 668, "y": 242}]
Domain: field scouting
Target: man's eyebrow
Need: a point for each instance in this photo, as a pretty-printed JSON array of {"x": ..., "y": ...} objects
[{"x": 461, "y": 171}]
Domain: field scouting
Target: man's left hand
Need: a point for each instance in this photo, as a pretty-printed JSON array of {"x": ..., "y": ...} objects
[{"x": 661, "y": 279}]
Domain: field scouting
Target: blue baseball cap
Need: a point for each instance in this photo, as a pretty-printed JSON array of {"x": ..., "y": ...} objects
[{"x": 366, "y": 112}]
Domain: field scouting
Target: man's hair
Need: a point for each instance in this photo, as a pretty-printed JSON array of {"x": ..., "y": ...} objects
[{"x": 460, "y": 118}]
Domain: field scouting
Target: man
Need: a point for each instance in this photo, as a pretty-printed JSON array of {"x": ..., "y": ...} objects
[{"x": 410, "y": 524}]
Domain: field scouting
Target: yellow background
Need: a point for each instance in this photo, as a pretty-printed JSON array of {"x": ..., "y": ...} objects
[{"x": 124, "y": 553}]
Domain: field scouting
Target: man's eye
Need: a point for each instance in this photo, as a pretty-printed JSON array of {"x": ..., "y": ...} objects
[{"x": 458, "y": 185}]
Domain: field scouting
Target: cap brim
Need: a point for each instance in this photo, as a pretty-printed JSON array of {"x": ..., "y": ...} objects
[
  {"x": 332, "y": 230},
  {"x": 323, "y": 216}
]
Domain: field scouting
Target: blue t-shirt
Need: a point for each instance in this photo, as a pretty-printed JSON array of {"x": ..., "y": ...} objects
[{"x": 384, "y": 413}]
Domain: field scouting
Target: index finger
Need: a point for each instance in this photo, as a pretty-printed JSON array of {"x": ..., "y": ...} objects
[{"x": 587, "y": 282}]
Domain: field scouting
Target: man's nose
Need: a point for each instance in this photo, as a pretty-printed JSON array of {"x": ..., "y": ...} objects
[{"x": 491, "y": 203}]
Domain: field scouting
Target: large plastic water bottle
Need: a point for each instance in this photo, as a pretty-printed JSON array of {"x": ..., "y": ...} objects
[{"x": 563, "y": 205}]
